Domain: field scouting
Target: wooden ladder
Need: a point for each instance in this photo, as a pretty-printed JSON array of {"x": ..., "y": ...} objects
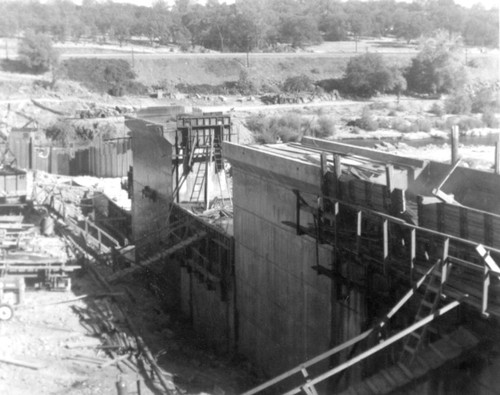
[
  {"x": 428, "y": 305},
  {"x": 199, "y": 181},
  {"x": 219, "y": 165}
]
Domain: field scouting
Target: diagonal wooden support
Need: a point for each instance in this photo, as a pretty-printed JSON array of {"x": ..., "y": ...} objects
[
  {"x": 302, "y": 368},
  {"x": 155, "y": 258}
]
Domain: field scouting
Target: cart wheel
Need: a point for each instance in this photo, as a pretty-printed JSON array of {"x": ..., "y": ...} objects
[{"x": 6, "y": 312}]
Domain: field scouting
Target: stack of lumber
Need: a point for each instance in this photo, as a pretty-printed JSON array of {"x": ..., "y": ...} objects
[{"x": 61, "y": 194}]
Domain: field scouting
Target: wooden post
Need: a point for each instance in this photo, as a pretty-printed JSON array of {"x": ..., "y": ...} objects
[
  {"x": 385, "y": 231},
  {"x": 337, "y": 161},
  {"x": 389, "y": 176},
  {"x": 297, "y": 219},
  {"x": 497, "y": 157},
  {"x": 444, "y": 260},
  {"x": 454, "y": 144},
  {"x": 413, "y": 253},
  {"x": 359, "y": 222},
  {"x": 486, "y": 288}
]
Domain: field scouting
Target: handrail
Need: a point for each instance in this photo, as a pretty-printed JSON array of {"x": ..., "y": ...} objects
[
  {"x": 345, "y": 345},
  {"x": 402, "y": 223},
  {"x": 424, "y": 321}
]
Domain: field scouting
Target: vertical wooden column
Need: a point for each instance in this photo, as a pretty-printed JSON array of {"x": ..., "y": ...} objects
[
  {"x": 389, "y": 176},
  {"x": 454, "y": 144},
  {"x": 497, "y": 157},
  {"x": 486, "y": 288},
  {"x": 444, "y": 260},
  {"x": 297, "y": 213},
  {"x": 413, "y": 253},
  {"x": 385, "y": 232},
  {"x": 337, "y": 160}
]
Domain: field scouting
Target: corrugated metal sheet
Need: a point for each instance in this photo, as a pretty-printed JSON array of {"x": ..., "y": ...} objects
[{"x": 110, "y": 158}]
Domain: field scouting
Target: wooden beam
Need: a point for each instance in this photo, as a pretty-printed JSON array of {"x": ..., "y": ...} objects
[
  {"x": 347, "y": 149},
  {"x": 17, "y": 362},
  {"x": 376, "y": 348},
  {"x": 492, "y": 265}
]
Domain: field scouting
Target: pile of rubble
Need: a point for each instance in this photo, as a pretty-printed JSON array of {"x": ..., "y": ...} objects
[{"x": 290, "y": 98}]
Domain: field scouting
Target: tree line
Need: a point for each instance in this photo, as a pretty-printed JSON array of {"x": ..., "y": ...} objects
[{"x": 246, "y": 26}]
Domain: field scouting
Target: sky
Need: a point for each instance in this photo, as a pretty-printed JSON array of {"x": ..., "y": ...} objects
[{"x": 466, "y": 3}]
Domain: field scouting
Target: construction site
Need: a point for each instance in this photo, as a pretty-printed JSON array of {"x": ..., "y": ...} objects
[{"x": 328, "y": 268}]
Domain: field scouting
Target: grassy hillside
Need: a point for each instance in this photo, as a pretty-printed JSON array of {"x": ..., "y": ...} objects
[{"x": 213, "y": 70}]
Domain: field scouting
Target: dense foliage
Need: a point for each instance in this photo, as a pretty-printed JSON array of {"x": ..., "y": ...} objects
[
  {"x": 36, "y": 52},
  {"x": 247, "y": 25},
  {"x": 437, "y": 68},
  {"x": 113, "y": 76},
  {"x": 369, "y": 74}
]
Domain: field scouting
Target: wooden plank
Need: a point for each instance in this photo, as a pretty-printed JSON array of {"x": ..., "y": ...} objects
[
  {"x": 17, "y": 362},
  {"x": 347, "y": 149}
]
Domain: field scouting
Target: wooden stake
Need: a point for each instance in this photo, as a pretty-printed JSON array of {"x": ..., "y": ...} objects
[
  {"x": 454, "y": 144},
  {"x": 497, "y": 157}
]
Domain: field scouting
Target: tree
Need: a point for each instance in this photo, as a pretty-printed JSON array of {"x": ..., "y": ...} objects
[
  {"x": 410, "y": 25},
  {"x": 437, "y": 68},
  {"x": 37, "y": 53},
  {"x": 300, "y": 30},
  {"x": 369, "y": 74}
]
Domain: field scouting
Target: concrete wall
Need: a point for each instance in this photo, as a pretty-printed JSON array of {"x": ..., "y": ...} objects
[
  {"x": 283, "y": 304},
  {"x": 211, "y": 315},
  {"x": 152, "y": 156}
]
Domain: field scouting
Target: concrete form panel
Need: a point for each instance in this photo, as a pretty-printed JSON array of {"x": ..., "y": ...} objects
[
  {"x": 152, "y": 157},
  {"x": 283, "y": 304}
]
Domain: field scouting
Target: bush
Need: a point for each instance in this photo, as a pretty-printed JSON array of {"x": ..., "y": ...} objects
[
  {"x": 484, "y": 100},
  {"x": 402, "y": 125},
  {"x": 113, "y": 76},
  {"x": 437, "y": 68},
  {"x": 285, "y": 128},
  {"x": 384, "y": 123},
  {"x": 458, "y": 103},
  {"x": 379, "y": 105},
  {"x": 437, "y": 110},
  {"x": 490, "y": 120},
  {"x": 301, "y": 83},
  {"x": 463, "y": 122},
  {"x": 36, "y": 52},
  {"x": 66, "y": 133},
  {"x": 468, "y": 123},
  {"x": 324, "y": 127},
  {"x": 423, "y": 125},
  {"x": 369, "y": 74},
  {"x": 332, "y": 84},
  {"x": 246, "y": 85},
  {"x": 367, "y": 121}
]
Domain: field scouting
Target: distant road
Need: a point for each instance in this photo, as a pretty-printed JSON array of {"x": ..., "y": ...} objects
[{"x": 238, "y": 55}]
